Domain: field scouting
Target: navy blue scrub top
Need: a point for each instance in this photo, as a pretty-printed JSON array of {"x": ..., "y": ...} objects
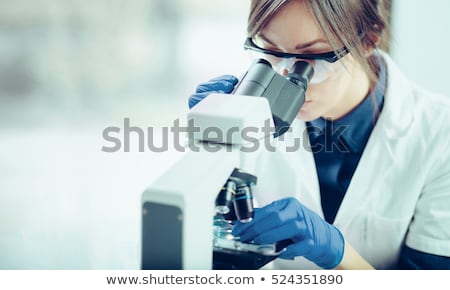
[{"x": 338, "y": 145}]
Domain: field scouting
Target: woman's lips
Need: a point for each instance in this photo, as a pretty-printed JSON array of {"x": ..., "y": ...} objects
[{"x": 305, "y": 104}]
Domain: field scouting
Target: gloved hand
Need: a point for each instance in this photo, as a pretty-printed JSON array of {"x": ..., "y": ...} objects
[
  {"x": 223, "y": 84},
  {"x": 313, "y": 238}
]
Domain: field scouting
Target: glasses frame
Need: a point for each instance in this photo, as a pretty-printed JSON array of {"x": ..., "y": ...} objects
[{"x": 330, "y": 56}]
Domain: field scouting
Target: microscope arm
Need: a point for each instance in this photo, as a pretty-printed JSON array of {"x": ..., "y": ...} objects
[{"x": 178, "y": 210}]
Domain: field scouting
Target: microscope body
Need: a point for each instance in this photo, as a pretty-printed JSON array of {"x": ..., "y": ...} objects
[
  {"x": 177, "y": 211},
  {"x": 178, "y": 208}
]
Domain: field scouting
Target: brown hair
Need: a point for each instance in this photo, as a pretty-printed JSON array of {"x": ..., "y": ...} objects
[{"x": 356, "y": 24}]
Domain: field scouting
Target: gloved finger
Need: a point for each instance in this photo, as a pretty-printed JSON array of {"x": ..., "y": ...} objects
[
  {"x": 298, "y": 249},
  {"x": 239, "y": 227},
  {"x": 196, "y": 98},
  {"x": 218, "y": 85},
  {"x": 288, "y": 204},
  {"x": 262, "y": 216},
  {"x": 286, "y": 231},
  {"x": 264, "y": 219},
  {"x": 273, "y": 216},
  {"x": 266, "y": 223},
  {"x": 273, "y": 223},
  {"x": 229, "y": 78}
]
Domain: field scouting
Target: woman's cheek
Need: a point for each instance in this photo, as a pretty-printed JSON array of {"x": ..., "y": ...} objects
[{"x": 316, "y": 92}]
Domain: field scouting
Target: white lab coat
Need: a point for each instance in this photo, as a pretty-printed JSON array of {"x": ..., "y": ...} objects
[{"x": 400, "y": 191}]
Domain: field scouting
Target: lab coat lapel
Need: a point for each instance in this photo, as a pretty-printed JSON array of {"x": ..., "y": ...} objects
[
  {"x": 307, "y": 185},
  {"x": 376, "y": 162},
  {"x": 379, "y": 156}
]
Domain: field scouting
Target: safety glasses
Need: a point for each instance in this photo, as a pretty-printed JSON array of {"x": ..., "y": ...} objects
[
  {"x": 330, "y": 56},
  {"x": 324, "y": 64}
]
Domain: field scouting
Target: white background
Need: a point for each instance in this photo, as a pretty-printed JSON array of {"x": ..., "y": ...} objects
[{"x": 421, "y": 40}]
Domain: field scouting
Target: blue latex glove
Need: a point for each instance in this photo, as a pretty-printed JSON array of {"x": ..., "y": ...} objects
[
  {"x": 223, "y": 84},
  {"x": 312, "y": 237}
]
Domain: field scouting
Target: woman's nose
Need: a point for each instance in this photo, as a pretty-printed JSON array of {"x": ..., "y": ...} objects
[
  {"x": 282, "y": 70},
  {"x": 284, "y": 66}
]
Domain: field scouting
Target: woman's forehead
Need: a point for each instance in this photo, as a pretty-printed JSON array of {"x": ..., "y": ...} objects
[{"x": 293, "y": 26}]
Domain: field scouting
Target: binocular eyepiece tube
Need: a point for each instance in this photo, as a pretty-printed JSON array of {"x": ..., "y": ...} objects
[{"x": 285, "y": 94}]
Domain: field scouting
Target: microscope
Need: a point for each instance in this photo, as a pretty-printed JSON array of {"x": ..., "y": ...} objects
[{"x": 189, "y": 211}]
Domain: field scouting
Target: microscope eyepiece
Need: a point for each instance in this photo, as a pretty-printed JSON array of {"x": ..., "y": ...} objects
[
  {"x": 263, "y": 61},
  {"x": 301, "y": 73}
]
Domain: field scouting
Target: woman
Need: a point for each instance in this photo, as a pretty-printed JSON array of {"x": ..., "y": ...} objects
[{"x": 372, "y": 190}]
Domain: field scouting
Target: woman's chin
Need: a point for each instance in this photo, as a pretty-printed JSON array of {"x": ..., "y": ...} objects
[{"x": 306, "y": 113}]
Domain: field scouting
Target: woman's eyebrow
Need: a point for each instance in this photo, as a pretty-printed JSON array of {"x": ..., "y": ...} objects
[
  {"x": 266, "y": 40},
  {"x": 298, "y": 46},
  {"x": 311, "y": 43}
]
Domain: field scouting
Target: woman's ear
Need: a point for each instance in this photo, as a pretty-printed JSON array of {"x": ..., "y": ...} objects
[{"x": 370, "y": 42}]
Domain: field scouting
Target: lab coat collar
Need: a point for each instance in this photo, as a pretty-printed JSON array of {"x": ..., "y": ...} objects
[
  {"x": 398, "y": 111},
  {"x": 394, "y": 122}
]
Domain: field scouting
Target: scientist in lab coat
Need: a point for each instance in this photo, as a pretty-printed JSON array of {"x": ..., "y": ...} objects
[{"x": 372, "y": 187}]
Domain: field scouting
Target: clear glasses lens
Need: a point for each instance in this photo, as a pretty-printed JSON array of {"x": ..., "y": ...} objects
[{"x": 323, "y": 70}]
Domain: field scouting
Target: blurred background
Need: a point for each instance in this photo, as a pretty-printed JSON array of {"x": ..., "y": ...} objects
[{"x": 69, "y": 69}]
